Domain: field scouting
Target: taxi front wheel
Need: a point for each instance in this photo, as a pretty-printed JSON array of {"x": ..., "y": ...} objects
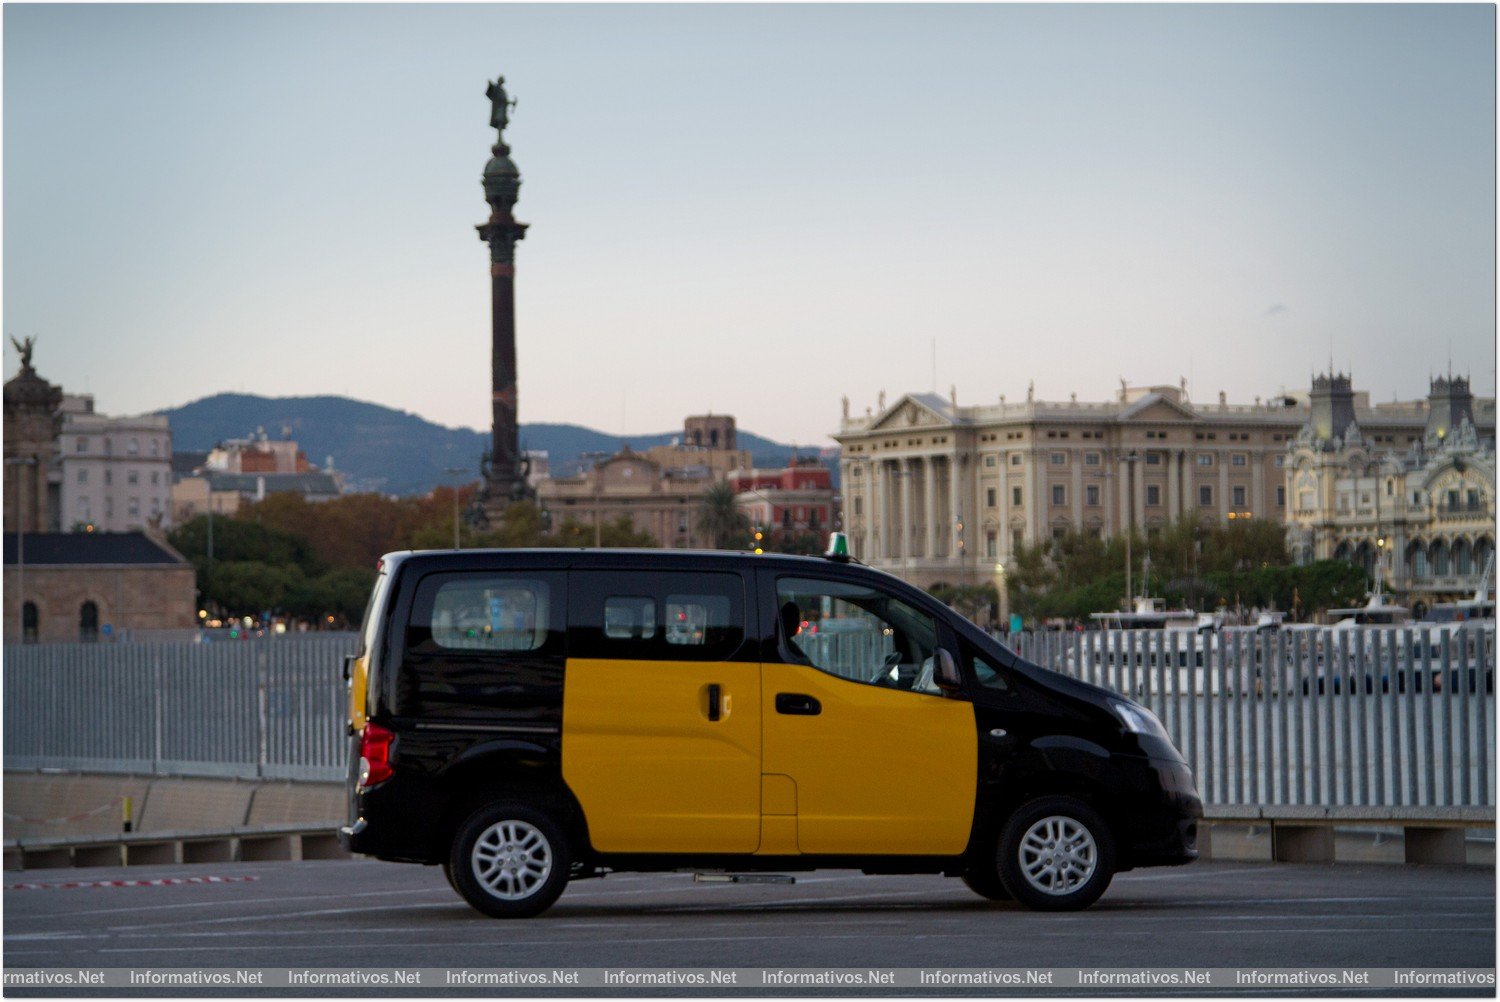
[
  {"x": 509, "y": 861},
  {"x": 986, "y": 883},
  {"x": 1056, "y": 854}
]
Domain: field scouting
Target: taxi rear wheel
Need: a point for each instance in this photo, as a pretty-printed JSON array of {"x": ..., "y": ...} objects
[
  {"x": 987, "y": 884},
  {"x": 509, "y": 860},
  {"x": 1056, "y": 854}
]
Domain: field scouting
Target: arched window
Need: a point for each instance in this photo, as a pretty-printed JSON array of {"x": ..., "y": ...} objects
[
  {"x": 88, "y": 622},
  {"x": 1484, "y": 548},
  {"x": 1462, "y": 564},
  {"x": 1440, "y": 559},
  {"x": 1416, "y": 560},
  {"x": 28, "y": 623}
]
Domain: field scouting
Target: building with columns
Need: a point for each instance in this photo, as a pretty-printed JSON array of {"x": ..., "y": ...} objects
[
  {"x": 1421, "y": 516},
  {"x": 935, "y": 492}
]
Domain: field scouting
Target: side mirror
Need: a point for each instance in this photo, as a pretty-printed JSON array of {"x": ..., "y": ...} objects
[{"x": 945, "y": 676}]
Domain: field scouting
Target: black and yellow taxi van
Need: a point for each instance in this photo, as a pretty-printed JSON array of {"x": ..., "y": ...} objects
[{"x": 524, "y": 718}]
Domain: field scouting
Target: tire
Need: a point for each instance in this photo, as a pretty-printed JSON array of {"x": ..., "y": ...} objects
[
  {"x": 1031, "y": 864},
  {"x": 509, "y": 860},
  {"x": 987, "y": 884},
  {"x": 447, "y": 869}
]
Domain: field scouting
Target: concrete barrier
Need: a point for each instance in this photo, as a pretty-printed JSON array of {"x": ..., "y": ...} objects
[
  {"x": 67, "y": 819},
  {"x": 1307, "y": 834},
  {"x": 290, "y": 844}
]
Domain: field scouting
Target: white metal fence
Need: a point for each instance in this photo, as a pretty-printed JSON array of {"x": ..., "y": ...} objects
[
  {"x": 1366, "y": 717},
  {"x": 271, "y": 708},
  {"x": 1371, "y": 718}
]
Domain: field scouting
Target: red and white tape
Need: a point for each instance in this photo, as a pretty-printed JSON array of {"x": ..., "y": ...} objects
[{"x": 163, "y": 882}]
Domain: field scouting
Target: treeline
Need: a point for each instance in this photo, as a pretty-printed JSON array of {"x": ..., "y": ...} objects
[
  {"x": 1235, "y": 564},
  {"x": 286, "y": 556}
]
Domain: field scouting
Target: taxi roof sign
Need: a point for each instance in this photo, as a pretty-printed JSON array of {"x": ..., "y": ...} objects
[{"x": 838, "y": 547}]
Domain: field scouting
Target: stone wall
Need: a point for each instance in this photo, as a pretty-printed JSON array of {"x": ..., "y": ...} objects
[{"x": 137, "y": 598}]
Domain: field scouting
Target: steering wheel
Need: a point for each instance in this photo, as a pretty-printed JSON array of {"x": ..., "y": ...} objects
[{"x": 884, "y": 675}]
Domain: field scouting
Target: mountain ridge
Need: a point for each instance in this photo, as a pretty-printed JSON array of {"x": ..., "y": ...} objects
[{"x": 380, "y": 448}]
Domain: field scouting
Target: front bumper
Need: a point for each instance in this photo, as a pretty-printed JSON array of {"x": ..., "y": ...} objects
[{"x": 1159, "y": 822}]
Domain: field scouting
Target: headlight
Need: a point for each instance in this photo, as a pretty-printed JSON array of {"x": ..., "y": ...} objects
[{"x": 1138, "y": 720}]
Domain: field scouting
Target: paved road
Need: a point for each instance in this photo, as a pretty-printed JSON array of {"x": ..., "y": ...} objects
[{"x": 360, "y": 913}]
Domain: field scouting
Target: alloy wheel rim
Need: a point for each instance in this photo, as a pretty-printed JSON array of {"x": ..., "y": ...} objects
[
  {"x": 511, "y": 860},
  {"x": 1058, "y": 855}
]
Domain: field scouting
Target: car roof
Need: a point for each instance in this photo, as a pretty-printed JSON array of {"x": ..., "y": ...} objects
[{"x": 623, "y": 558}]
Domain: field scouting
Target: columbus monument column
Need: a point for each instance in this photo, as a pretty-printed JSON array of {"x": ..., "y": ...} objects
[{"x": 505, "y": 474}]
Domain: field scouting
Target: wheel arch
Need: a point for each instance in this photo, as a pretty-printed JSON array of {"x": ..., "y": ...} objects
[{"x": 510, "y": 769}]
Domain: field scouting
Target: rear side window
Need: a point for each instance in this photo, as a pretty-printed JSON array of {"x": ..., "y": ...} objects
[
  {"x": 484, "y": 644},
  {"x": 656, "y": 616},
  {"x": 491, "y": 612}
]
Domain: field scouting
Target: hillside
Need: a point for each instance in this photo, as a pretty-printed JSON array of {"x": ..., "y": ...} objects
[{"x": 396, "y": 452}]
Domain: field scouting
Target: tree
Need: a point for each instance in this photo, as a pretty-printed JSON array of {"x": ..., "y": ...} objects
[
  {"x": 720, "y": 518},
  {"x": 247, "y": 587},
  {"x": 970, "y": 601},
  {"x": 1190, "y": 562},
  {"x": 239, "y": 540}
]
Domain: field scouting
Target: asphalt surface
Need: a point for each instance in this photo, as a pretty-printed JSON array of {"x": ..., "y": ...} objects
[{"x": 364, "y": 913}]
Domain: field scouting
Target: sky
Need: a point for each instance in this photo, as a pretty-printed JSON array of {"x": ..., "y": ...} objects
[{"x": 752, "y": 210}]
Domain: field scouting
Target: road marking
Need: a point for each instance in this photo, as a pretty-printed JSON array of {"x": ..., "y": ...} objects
[
  {"x": 161, "y": 882},
  {"x": 237, "y": 902}
]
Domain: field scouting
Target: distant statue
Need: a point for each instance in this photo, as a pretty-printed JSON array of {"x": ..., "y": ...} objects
[
  {"x": 1030, "y": 390},
  {"x": 846, "y": 406},
  {"x": 25, "y": 347},
  {"x": 500, "y": 104},
  {"x": 953, "y": 395},
  {"x": 880, "y": 403}
]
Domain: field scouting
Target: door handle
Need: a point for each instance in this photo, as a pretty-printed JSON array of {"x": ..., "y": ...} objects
[
  {"x": 713, "y": 701},
  {"x": 797, "y": 704}
]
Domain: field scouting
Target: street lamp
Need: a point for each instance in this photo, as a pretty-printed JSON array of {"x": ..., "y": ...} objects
[
  {"x": 454, "y": 471},
  {"x": 1129, "y": 459}
]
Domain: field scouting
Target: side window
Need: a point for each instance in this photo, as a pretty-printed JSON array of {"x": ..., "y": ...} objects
[
  {"x": 989, "y": 675},
  {"x": 857, "y": 632},
  {"x": 628, "y": 617},
  {"x": 483, "y": 612},
  {"x": 656, "y": 615}
]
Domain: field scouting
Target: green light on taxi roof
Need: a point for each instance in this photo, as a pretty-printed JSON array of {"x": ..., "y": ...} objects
[{"x": 838, "y": 546}]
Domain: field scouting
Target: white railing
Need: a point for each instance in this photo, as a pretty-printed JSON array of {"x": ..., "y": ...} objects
[
  {"x": 1364, "y": 717},
  {"x": 1368, "y": 717},
  {"x": 271, "y": 708}
]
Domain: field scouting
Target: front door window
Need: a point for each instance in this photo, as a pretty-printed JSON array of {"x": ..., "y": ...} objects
[{"x": 857, "y": 632}]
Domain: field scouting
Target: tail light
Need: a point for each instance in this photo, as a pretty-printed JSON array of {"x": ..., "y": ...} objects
[{"x": 374, "y": 755}]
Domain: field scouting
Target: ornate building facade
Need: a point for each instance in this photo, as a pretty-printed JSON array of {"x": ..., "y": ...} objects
[
  {"x": 62, "y": 586},
  {"x": 935, "y": 492},
  {"x": 1420, "y": 516},
  {"x": 660, "y": 490}
]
